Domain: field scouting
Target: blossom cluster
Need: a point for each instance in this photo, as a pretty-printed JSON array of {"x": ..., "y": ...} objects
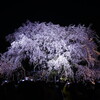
[{"x": 49, "y": 52}]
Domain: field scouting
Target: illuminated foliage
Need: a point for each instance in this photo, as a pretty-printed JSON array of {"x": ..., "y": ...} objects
[{"x": 51, "y": 52}]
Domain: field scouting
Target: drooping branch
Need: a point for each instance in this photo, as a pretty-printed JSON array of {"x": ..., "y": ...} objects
[{"x": 50, "y": 52}]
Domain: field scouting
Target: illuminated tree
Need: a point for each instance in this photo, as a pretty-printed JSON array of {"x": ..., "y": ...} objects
[{"x": 50, "y": 52}]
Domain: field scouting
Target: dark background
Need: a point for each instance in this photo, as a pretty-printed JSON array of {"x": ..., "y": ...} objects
[{"x": 13, "y": 14}]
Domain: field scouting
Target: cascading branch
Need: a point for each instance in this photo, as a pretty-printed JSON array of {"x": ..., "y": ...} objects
[{"x": 50, "y": 52}]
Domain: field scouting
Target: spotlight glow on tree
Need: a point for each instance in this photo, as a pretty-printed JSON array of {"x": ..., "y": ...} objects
[{"x": 50, "y": 52}]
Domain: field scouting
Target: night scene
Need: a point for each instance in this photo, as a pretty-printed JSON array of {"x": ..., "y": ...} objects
[{"x": 49, "y": 53}]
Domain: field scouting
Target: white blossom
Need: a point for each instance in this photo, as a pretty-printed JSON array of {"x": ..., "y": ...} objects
[{"x": 50, "y": 46}]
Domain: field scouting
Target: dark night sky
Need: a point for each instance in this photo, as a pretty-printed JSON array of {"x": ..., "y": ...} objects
[{"x": 13, "y": 14}]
